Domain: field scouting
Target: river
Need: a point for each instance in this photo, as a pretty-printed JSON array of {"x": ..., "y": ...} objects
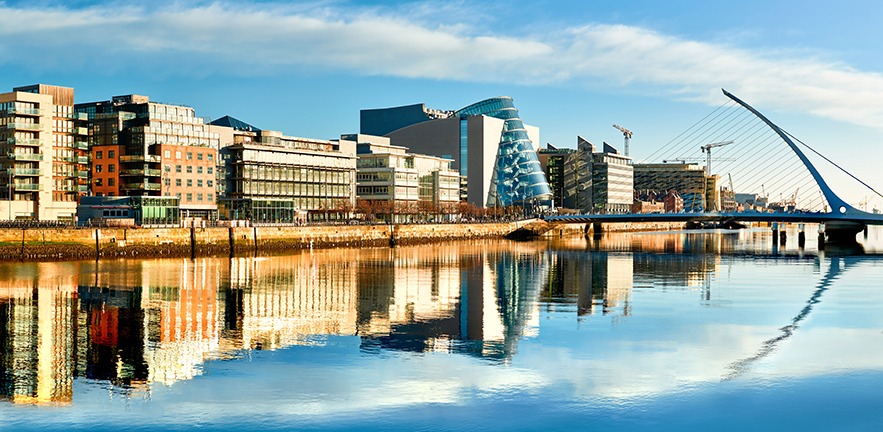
[{"x": 698, "y": 330}]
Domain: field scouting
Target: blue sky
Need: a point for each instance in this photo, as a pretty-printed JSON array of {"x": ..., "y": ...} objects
[{"x": 573, "y": 67}]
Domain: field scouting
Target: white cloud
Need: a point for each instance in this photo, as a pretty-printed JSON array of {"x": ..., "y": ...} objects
[{"x": 273, "y": 39}]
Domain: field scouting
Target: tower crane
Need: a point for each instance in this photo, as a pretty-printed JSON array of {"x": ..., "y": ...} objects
[
  {"x": 626, "y": 135},
  {"x": 707, "y": 149}
]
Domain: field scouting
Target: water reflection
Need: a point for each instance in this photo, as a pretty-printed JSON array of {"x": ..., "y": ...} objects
[{"x": 137, "y": 323}]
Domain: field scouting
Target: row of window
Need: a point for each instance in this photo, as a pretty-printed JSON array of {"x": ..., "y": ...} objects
[
  {"x": 179, "y": 183},
  {"x": 208, "y": 169},
  {"x": 199, "y": 155}
]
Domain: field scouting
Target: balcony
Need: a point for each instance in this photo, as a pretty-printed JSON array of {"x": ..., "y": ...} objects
[
  {"x": 81, "y": 145},
  {"x": 25, "y": 111},
  {"x": 24, "y": 142},
  {"x": 24, "y": 126},
  {"x": 25, "y": 156},
  {"x": 83, "y": 174},
  {"x": 140, "y": 158},
  {"x": 82, "y": 159},
  {"x": 140, "y": 173},
  {"x": 26, "y": 172},
  {"x": 83, "y": 188},
  {"x": 29, "y": 187},
  {"x": 141, "y": 186}
]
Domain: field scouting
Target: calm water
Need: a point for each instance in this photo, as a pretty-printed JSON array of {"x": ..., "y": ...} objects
[{"x": 654, "y": 331}]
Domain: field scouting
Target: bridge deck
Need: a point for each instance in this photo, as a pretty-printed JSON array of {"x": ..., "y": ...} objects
[{"x": 797, "y": 217}]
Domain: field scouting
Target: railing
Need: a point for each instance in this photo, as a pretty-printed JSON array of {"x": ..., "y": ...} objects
[
  {"x": 83, "y": 174},
  {"x": 81, "y": 131},
  {"x": 82, "y": 188},
  {"x": 141, "y": 186},
  {"x": 24, "y": 111},
  {"x": 82, "y": 159},
  {"x": 27, "y": 187},
  {"x": 140, "y": 158},
  {"x": 24, "y": 126},
  {"x": 141, "y": 172},
  {"x": 26, "y": 156},
  {"x": 26, "y": 172},
  {"x": 81, "y": 145},
  {"x": 24, "y": 142}
]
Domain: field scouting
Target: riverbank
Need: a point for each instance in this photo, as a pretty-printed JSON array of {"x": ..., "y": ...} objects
[{"x": 62, "y": 244}]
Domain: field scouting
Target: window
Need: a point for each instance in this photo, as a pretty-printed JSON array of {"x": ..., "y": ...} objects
[
  {"x": 189, "y": 169},
  {"x": 111, "y": 168},
  {"x": 98, "y": 168},
  {"x": 199, "y": 156},
  {"x": 199, "y": 183},
  {"x": 210, "y": 197},
  {"x": 210, "y": 183},
  {"x": 167, "y": 181},
  {"x": 199, "y": 197},
  {"x": 111, "y": 154},
  {"x": 189, "y": 182},
  {"x": 98, "y": 182},
  {"x": 167, "y": 154},
  {"x": 177, "y": 155},
  {"x": 177, "y": 182},
  {"x": 99, "y": 155},
  {"x": 189, "y": 197},
  {"x": 168, "y": 168},
  {"x": 211, "y": 157},
  {"x": 199, "y": 170},
  {"x": 189, "y": 155},
  {"x": 177, "y": 168},
  {"x": 210, "y": 170},
  {"x": 111, "y": 181}
]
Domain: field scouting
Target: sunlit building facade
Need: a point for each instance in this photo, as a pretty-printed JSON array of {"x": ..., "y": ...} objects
[
  {"x": 403, "y": 184},
  {"x": 43, "y": 154},
  {"x": 488, "y": 141},
  {"x": 269, "y": 177},
  {"x": 141, "y": 147}
]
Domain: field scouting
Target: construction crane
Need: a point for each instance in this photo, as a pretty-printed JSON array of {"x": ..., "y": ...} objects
[
  {"x": 626, "y": 135},
  {"x": 707, "y": 149}
]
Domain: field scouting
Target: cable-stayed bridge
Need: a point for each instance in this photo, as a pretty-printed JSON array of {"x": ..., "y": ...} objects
[{"x": 756, "y": 172}]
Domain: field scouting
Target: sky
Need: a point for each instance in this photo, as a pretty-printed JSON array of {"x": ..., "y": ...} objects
[{"x": 572, "y": 67}]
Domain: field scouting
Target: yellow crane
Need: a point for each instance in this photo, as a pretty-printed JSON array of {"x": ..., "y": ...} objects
[{"x": 626, "y": 135}]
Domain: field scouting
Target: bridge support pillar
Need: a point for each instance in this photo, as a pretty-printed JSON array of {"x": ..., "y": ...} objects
[
  {"x": 597, "y": 229},
  {"x": 866, "y": 232},
  {"x": 801, "y": 236},
  {"x": 821, "y": 236},
  {"x": 783, "y": 237},
  {"x": 775, "y": 234}
]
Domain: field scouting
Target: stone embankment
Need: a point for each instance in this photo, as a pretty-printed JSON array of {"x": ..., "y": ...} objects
[{"x": 59, "y": 244}]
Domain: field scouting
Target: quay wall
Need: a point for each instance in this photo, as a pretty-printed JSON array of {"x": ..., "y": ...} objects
[
  {"x": 69, "y": 243},
  {"x": 58, "y": 244}
]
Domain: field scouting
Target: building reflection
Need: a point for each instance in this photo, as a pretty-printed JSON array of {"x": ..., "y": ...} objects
[
  {"x": 135, "y": 324},
  {"x": 598, "y": 274},
  {"x": 474, "y": 300},
  {"x": 38, "y": 326}
]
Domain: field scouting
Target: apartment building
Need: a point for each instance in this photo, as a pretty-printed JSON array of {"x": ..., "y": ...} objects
[
  {"x": 43, "y": 154},
  {"x": 146, "y": 148}
]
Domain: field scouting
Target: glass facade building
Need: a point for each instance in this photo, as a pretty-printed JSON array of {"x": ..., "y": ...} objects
[{"x": 518, "y": 178}]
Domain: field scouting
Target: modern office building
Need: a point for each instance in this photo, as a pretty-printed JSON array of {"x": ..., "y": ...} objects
[
  {"x": 400, "y": 186},
  {"x": 688, "y": 180},
  {"x": 598, "y": 182},
  {"x": 43, "y": 154},
  {"x": 273, "y": 178},
  {"x": 488, "y": 142},
  {"x": 122, "y": 211},
  {"x": 553, "y": 160},
  {"x": 146, "y": 148}
]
